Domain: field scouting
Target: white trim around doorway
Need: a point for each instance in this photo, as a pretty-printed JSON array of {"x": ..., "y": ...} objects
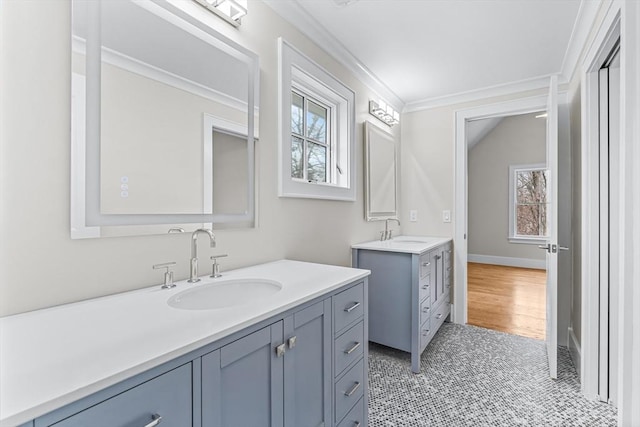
[{"x": 503, "y": 109}]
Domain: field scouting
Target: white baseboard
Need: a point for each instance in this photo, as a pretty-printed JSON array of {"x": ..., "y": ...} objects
[
  {"x": 508, "y": 261},
  {"x": 574, "y": 350}
]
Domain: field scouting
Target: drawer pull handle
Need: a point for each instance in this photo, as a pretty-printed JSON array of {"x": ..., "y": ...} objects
[
  {"x": 425, "y": 309},
  {"x": 357, "y": 424},
  {"x": 425, "y": 287},
  {"x": 439, "y": 316},
  {"x": 156, "y": 420},
  {"x": 353, "y": 307},
  {"x": 352, "y": 349},
  {"x": 425, "y": 332},
  {"x": 426, "y": 264},
  {"x": 355, "y": 387}
]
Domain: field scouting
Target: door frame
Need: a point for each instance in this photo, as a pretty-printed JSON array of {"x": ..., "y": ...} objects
[
  {"x": 502, "y": 109},
  {"x": 624, "y": 17}
]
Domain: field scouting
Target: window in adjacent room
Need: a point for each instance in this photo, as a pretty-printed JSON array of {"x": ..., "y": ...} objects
[
  {"x": 317, "y": 130},
  {"x": 528, "y": 203}
]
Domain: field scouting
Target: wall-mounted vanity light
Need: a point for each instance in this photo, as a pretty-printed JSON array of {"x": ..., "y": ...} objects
[
  {"x": 384, "y": 112},
  {"x": 229, "y": 10}
]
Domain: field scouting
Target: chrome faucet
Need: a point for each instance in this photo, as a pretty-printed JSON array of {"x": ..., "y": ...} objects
[
  {"x": 386, "y": 234},
  {"x": 193, "y": 273}
]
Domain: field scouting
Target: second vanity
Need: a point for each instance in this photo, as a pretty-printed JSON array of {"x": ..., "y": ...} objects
[
  {"x": 296, "y": 356},
  {"x": 409, "y": 290}
]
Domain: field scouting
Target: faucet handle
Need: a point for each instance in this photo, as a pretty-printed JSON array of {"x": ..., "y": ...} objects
[
  {"x": 168, "y": 274},
  {"x": 216, "y": 267}
]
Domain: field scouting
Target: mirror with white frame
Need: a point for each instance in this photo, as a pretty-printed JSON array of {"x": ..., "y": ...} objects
[
  {"x": 381, "y": 200},
  {"x": 164, "y": 119}
]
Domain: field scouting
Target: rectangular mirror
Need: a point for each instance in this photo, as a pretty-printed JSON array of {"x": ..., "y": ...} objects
[
  {"x": 164, "y": 113},
  {"x": 381, "y": 201}
]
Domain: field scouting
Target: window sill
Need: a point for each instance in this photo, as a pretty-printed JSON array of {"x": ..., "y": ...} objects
[{"x": 528, "y": 240}]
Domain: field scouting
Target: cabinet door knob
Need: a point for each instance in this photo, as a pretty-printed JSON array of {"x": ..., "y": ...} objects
[
  {"x": 292, "y": 341},
  {"x": 280, "y": 350},
  {"x": 156, "y": 420},
  {"x": 353, "y": 307},
  {"x": 426, "y": 264},
  {"x": 352, "y": 349},
  {"x": 439, "y": 316},
  {"x": 425, "y": 287},
  {"x": 353, "y": 389},
  {"x": 425, "y": 309}
]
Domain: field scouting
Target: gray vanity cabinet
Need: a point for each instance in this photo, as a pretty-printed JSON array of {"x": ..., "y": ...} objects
[
  {"x": 409, "y": 296},
  {"x": 305, "y": 367},
  {"x": 277, "y": 376}
]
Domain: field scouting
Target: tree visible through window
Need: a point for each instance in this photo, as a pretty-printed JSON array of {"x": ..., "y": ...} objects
[
  {"x": 530, "y": 213},
  {"x": 310, "y": 148}
]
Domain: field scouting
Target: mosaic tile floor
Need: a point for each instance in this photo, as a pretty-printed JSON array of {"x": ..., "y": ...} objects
[{"x": 478, "y": 377}]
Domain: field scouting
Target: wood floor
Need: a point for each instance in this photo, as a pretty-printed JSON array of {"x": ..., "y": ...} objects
[{"x": 507, "y": 299}]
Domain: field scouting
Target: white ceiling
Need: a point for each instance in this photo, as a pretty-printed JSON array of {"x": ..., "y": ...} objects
[{"x": 427, "y": 50}]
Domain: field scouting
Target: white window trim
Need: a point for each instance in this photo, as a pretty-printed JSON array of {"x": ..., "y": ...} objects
[
  {"x": 300, "y": 72},
  {"x": 512, "y": 236}
]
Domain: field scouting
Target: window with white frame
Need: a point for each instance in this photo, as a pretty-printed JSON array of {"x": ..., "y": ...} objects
[
  {"x": 528, "y": 204},
  {"x": 316, "y": 132},
  {"x": 311, "y": 148}
]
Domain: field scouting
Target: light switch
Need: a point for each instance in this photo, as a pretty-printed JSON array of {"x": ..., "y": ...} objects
[
  {"x": 446, "y": 216},
  {"x": 413, "y": 215}
]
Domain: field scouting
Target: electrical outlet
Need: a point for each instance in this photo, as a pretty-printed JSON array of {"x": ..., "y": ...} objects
[
  {"x": 413, "y": 215},
  {"x": 446, "y": 216}
]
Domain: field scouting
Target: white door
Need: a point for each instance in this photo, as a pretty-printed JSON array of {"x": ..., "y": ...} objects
[{"x": 552, "y": 221}]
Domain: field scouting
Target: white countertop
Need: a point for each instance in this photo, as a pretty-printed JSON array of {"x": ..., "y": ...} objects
[
  {"x": 405, "y": 244},
  {"x": 52, "y": 357}
]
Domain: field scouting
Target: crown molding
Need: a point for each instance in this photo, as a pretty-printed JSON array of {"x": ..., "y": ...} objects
[
  {"x": 535, "y": 83},
  {"x": 297, "y": 16},
  {"x": 578, "y": 41}
]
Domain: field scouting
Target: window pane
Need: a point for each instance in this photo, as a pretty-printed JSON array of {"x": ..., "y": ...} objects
[
  {"x": 317, "y": 122},
  {"x": 531, "y": 219},
  {"x": 296, "y": 113},
  {"x": 317, "y": 163},
  {"x": 531, "y": 186},
  {"x": 297, "y": 167}
]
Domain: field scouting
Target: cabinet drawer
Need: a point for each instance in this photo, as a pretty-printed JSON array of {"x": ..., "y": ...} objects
[
  {"x": 355, "y": 417},
  {"x": 425, "y": 285},
  {"x": 349, "y": 389},
  {"x": 440, "y": 313},
  {"x": 349, "y": 347},
  {"x": 348, "y": 306},
  {"x": 425, "y": 310},
  {"x": 167, "y": 396},
  {"x": 425, "y": 265},
  {"x": 425, "y": 334}
]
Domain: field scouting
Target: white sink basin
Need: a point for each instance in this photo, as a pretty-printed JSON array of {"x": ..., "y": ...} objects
[
  {"x": 401, "y": 239},
  {"x": 224, "y": 294}
]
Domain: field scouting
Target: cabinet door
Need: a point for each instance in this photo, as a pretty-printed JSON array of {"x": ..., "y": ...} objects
[
  {"x": 307, "y": 367},
  {"x": 435, "y": 275},
  {"x": 242, "y": 383}
]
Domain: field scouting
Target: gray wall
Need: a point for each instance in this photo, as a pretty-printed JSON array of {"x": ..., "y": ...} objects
[{"x": 516, "y": 140}]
